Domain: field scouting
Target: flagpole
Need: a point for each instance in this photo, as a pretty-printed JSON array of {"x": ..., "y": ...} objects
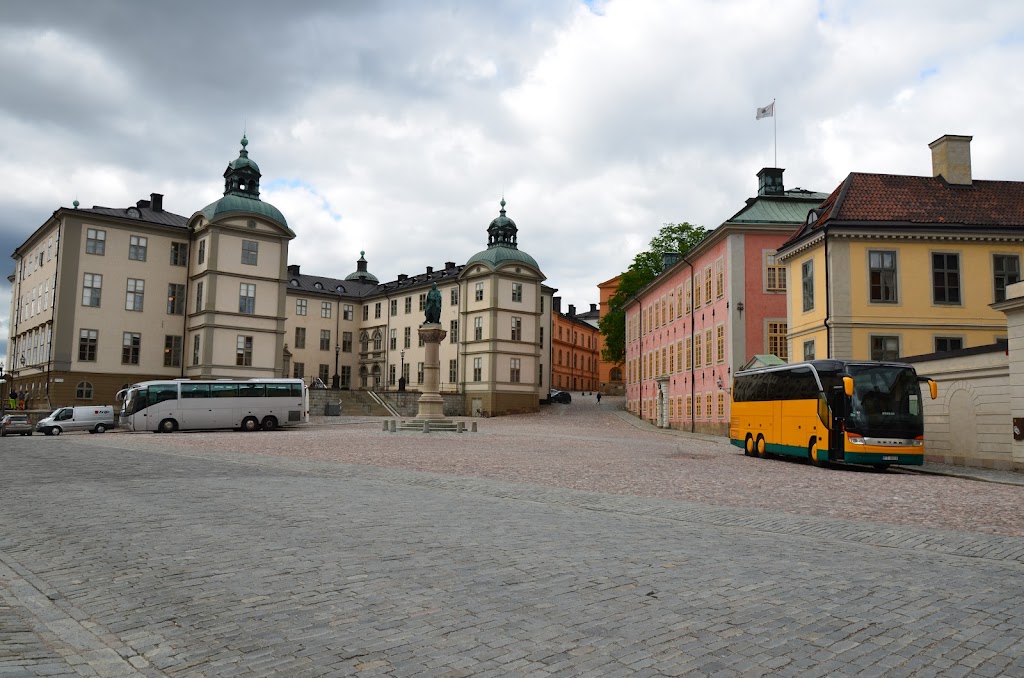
[{"x": 775, "y": 133}]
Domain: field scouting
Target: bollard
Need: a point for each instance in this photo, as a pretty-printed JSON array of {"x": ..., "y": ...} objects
[
  {"x": 385, "y": 426},
  {"x": 394, "y": 426},
  {"x": 474, "y": 427},
  {"x": 426, "y": 427},
  {"x": 460, "y": 427}
]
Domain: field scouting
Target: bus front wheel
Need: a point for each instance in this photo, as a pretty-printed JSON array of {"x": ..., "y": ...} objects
[
  {"x": 748, "y": 446},
  {"x": 269, "y": 423},
  {"x": 168, "y": 426},
  {"x": 250, "y": 424},
  {"x": 760, "y": 445}
]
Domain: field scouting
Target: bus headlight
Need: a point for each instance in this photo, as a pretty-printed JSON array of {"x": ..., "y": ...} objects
[{"x": 855, "y": 440}]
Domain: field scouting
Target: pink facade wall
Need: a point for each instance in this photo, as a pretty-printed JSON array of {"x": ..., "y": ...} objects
[{"x": 761, "y": 305}]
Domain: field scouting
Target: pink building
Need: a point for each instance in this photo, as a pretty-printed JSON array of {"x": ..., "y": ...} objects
[{"x": 711, "y": 311}]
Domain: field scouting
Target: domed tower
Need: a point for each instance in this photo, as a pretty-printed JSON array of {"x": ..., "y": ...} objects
[
  {"x": 506, "y": 325},
  {"x": 361, "y": 274},
  {"x": 238, "y": 276}
]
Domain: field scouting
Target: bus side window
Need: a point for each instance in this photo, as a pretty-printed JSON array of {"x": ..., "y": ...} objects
[{"x": 162, "y": 392}]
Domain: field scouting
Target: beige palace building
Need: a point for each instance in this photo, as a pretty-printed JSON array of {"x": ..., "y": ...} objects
[{"x": 103, "y": 297}]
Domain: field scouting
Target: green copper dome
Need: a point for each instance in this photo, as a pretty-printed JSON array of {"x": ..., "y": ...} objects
[
  {"x": 237, "y": 204},
  {"x": 243, "y": 158},
  {"x": 502, "y": 247}
]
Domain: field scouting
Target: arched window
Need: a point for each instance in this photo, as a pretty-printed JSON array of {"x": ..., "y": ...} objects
[
  {"x": 364, "y": 342},
  {"x": 83, "y": 391},
  {"x": 616, "y": 374},
  {"x": 377, "y": 339}
]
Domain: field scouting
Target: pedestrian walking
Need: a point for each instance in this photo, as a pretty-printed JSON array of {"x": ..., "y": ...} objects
[{"x": 598, "y": 397}]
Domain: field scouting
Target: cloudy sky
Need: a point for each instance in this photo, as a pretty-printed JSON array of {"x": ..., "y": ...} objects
[{"x": 395, "y": 127}]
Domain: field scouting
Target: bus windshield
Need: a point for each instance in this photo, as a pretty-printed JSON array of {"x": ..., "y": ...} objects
[
  {"x": 886, "y": 401},
  {"x": 136, "y": 399}
]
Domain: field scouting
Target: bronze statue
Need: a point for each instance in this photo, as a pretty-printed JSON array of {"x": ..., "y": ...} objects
[{"x": 432, "y": 307}]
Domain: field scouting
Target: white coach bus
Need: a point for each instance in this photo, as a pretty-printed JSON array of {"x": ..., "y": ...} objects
[{"x": 185, "y": 404}]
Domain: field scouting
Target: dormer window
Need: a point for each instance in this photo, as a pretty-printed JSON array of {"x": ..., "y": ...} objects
[
  {"x": 294, "y": 282},
  {"x": 318, "y": 286}
]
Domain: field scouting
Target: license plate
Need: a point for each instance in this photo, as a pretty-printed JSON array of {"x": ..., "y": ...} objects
[{"x": 890, "y": 458}]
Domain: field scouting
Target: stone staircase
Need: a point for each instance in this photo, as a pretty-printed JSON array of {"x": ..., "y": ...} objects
[{"x": 353, "y": 403}]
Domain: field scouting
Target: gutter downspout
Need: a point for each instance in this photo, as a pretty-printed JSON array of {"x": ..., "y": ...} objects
[
  {"x": 188, "y": 292},
  {"x": 53, "y": 313},
  {"x": 693, "y": 385},
  {"x": 828, "y": 297}
]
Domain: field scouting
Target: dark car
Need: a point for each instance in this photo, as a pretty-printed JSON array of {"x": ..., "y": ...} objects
[
  {"x": 560, "y": 397},
  {"x": 15, "y": 424}
]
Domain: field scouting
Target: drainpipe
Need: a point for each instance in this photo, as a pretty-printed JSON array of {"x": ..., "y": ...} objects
[
  {"x": 693, "y": 386},
  {"x": 828, "y": 295}
]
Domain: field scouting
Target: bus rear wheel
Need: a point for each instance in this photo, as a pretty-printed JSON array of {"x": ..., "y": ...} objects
[
  {"x": 168, "y": 426},
  {"x": 250, "y": 424},
  {"x": 760, "y": 446},
  {"x": 748, "y": 446},
  {"x": 269, "y": 423}
]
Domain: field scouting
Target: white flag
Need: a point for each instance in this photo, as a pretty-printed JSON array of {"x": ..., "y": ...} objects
[{"x": 766, "y": 112}]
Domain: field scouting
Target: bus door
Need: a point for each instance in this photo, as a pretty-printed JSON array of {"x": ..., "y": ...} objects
[{"x": 837, "y": 434}]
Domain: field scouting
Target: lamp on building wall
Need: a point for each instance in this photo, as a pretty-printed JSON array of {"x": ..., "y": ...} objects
[{"x": 336, "y": 380}]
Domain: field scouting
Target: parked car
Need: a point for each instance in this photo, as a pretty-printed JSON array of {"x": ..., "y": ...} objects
[
  {"x": 15, "y": 424},
  {"x": 94, "y": 419},
  {"x": 560, "y": 397}
]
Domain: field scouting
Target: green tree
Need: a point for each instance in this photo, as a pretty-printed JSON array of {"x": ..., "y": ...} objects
[{"x": 646, "y": 266}]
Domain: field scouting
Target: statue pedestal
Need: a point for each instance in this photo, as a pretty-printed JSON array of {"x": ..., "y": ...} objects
[{"x": 431, "y": 404}]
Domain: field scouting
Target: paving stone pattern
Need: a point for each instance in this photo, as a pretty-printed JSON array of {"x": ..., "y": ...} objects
[{"x": 181, "y": 556}]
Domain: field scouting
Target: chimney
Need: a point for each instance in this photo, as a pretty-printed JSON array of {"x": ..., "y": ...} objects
[
  {"x": 593, "y": 308},
  {"x": 556, "y": 304},
  {"x": 769, "y": 181},
  {"x": 293, "y": 269},
  {"x": 668, "y": 259},
  {"x": 157, "y": 201},
  {"x": 449, "y": 265},
  {"x": 141, "y": 203},
  {"x": 572, "y": 310},
  {"x": 402, "y": 277},
  {"x": 951, "y": 159},
  {"x": 430, "y": 269}
]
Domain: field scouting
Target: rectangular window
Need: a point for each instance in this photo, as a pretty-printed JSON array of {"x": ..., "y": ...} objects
[
  {"x": 774, "y": 274},
  {"x": 324, "y": 372},
  {"x": 87, "y": 343},
  {"x": 721, "y": 405},
  {"x": 346, "y": 312},
  {"x": 517, "y": 329},
  {"x": 325, "y": 340},
  {"x": 134, "y": 295},
  {"x": 478, "y": 329},
  {"x": 455, "y": 296},
  {"x": 708, "y": 347},
  {"x": 453, "y": 371},
  {"x": 707, "y": 284},
  {"x": 698, "y": 350},
  {"x": 202, "y": 252},
  {"x": 243, "y": 351},
  {"x": 408, "y": 305},
  {"x": 392, "y": 371},
  {"x": 405, "y": 373},
  {"x": 346, "y": 342},
  {"x": 477, "y": 369},
  {"x": 131, "y": 344},
  {"x": 376, "y": 310},
  {"x": 885, "y": 348},
  {"x": 195, "y": 350},
  {"x": 423, "y": 301},
  {"x": 419, "y": 373},
  {"x": 394, "y": 307},
  {"x": 366, "y": 312},
  {"x": 696, "y": 290},
  {"x": 809, "y": 350},
  {"x": 247, "y": 298},
  {"x": 689, "y": 300},
  {"x": 946, "y": 278},
  {"x": 777, "y": 339},
  {"x": 943, "y": 344},
  {"x": 393, "y": 339},
  {"x": 479, "y": 291},
  {"x": 175, "y": 299},
  {"x": 199, "y": 296},
  {"x": 250, "y": 252},
  {"x": 882, "y": 277},
  {"x": 179, "y": 254},
  {"x": 807, "y": 279},
  {"x": 298, "y": 370},
  {"x": 699, "y": 414},
  {"x": 1006, "y": 271},
  {"x": 720, "y": 344},
  {"x": 92, "y": 288},
  {"x": 689, "y": 407},
  {"x": 346, "y": 376},
  {"x": 137, "y": 247},
  {"x": 707, "y": 403},
  {"x": 172, "y": 351},
  {"x": 95, "y": 241},
  {"x": 300, "y": 307},
  {"x": 688, "y": 357},
  {"x": 326, "y": 309},
  {"x": 407, "y": 337},
  {"x": 719, "y": 278},
  {"x": 515, "y": 366},
  {"x": 300, "y": 337},
  {"x": 517, "y": 291},
  {"x": 453, "y": 332}
]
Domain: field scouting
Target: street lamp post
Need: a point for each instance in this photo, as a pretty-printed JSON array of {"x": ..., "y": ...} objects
[
  {"x": 401, "y": 372},
  {"x": 336, "y": 380},
  {"x": 3, "y": 391}
]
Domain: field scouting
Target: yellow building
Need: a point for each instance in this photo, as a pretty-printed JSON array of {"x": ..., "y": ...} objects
[{"x": 891, "y": 266}]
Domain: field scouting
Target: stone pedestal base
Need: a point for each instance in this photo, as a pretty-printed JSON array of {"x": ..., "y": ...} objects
[{"x": 431, "y": 404}]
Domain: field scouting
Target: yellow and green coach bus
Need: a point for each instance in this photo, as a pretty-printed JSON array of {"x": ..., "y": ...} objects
[{"x": 847, "y": 411}]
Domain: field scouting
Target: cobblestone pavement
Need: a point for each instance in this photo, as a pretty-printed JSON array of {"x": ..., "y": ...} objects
[{"x": 564, "y": 543}]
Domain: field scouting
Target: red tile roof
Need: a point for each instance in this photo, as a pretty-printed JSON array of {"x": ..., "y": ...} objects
[{"x": 894, "y": 200}]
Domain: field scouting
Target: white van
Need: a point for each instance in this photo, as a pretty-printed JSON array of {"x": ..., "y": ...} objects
[{"x": 94, "y": 419}]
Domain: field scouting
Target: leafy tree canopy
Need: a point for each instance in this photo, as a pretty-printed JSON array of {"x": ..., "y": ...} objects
[{"x": 646, "y": 266}]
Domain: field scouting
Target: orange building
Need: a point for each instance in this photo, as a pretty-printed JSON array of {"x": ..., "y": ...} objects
[
  {"x": 609, "y": 375},
  {"x": 574, "y": 350}
]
